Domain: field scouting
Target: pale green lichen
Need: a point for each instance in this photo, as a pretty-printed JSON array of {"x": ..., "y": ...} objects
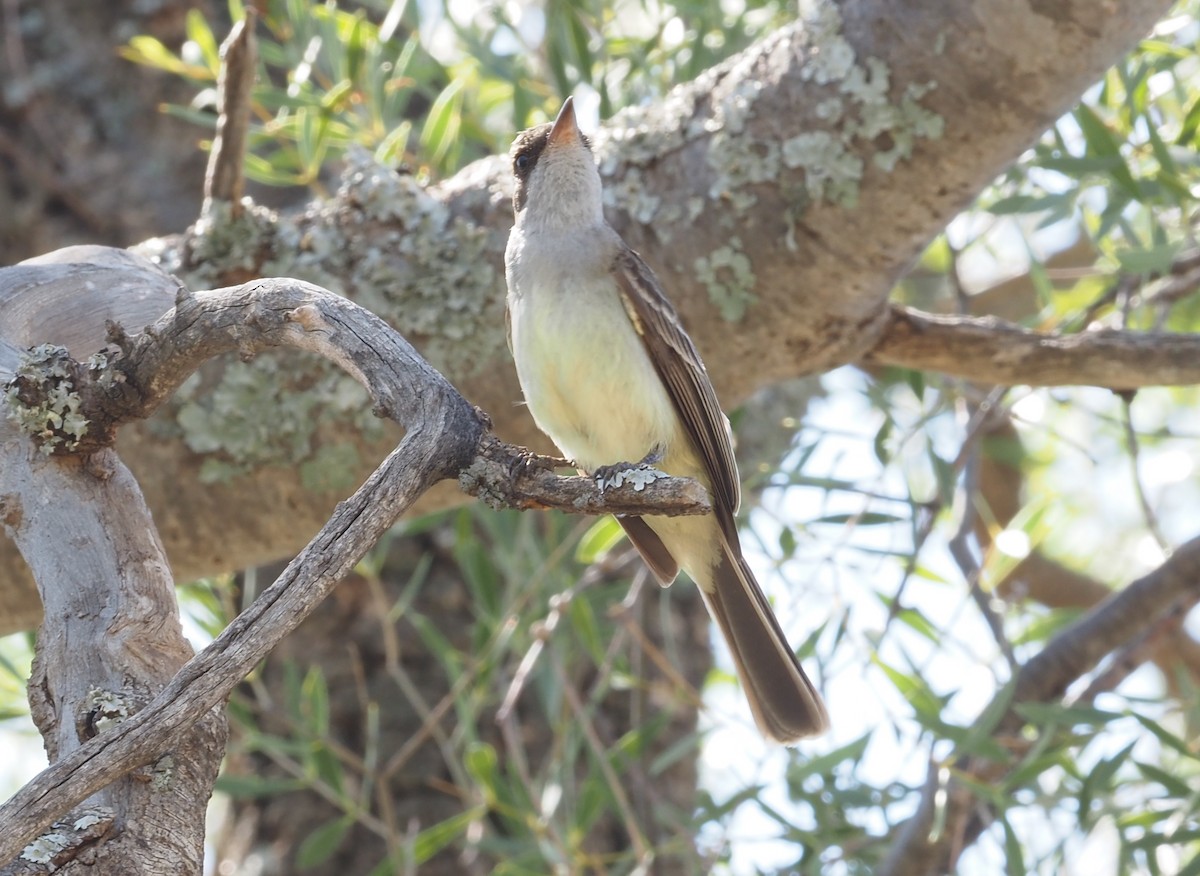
[
  {"x": 162, "y": 773},
  {"x": 728, "y": 276},
  {"x": 430, "y": 273},
  {"x": 861, "y": 121},
  {"x": 639, "y": 135},
  {"x": 219, "y": 242},
  {"x": 331, "y": 468},
  {"x": 310, "y": 247},
  {"x": 106, "y": 708},
  {"x": 630, "y": 193},
  {"x": 53, "y": 420},
  {"x": 46, "y": 848},
  {"x": 739, "y": 159},
  {"x": 831, "y": 171},
  {"x": 864, "y": 112},
  {"x": 272, "y": 412}
]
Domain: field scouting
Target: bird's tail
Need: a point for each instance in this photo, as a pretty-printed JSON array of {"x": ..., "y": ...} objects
[{"x": 785, "y": 704}]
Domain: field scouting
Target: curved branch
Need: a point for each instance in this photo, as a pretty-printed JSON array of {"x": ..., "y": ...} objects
[
  {"x": 989, "y": 350},
  {"x": 445, "y": 437},
  {"x": 442, "y": 434}
]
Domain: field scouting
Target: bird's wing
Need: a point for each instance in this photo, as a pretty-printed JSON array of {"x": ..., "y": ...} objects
[{"x": 683, "y": 373}]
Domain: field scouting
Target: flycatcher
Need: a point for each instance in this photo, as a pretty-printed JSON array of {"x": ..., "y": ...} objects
[{"x": 609, "y": 373}]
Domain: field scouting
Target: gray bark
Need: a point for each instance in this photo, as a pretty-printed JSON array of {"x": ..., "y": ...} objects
[{"x": 110, "y": 639}]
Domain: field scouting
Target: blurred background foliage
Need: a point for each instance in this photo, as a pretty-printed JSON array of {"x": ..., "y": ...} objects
[
  {"x": 433, "y": 86},
  {"x": 862, "y": 481}
]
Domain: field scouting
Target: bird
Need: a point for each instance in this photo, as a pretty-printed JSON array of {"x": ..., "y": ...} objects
[{"x": 610, "y": 375}]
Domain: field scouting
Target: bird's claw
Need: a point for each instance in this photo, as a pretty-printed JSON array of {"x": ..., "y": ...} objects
[
  {"x": 526, "y": 462},
  {"x": 637, "y": 473}
]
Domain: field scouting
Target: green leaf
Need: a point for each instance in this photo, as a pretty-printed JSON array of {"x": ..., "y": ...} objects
[
  {"x": 585, "y": 628},
  {"x": 320, "y": 845},
  {"x": 443, "y": 122},
  {"x": 250, "y": 786},
  {"x": 1167, "y": 738},
  {"x": 978, "y": 739},
  {"x": 824, "y": 764},
  {"x": 913, "y": 688},
  {"x": 1174, "y": 785},
  {"x": 1018, "y": 204},
  {"x": 148, "y": 51},
  {"x": 865, "y": 518},
  {"x": 1102, "y": 141},
  {"x": 1098, "y": 781},
  {"x": 1153, "y": 260},
  {"x": 263, "y": 171},
  {"x": 315, "y": 692},
  {"x": 1065, "y": 716},
  {"x": 201, "y": 34},
  {"x": 600, "y": 538},
  {"x": 1191, "y": 121},
  {"x": 433, "y": 839},
  {"x": 482, "y": 764},
  {"x": 1014, "y": 855}
]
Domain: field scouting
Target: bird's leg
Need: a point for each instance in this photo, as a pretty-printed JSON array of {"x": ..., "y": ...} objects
[{"x": 637, "y": 473}]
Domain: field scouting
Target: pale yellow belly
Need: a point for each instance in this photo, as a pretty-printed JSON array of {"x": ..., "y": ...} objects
[{"x": 587, "y": 379}]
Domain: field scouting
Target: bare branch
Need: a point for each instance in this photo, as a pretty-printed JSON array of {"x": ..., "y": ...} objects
[
  {"x": 989, "y": 350},
  {"x": 500, "y": 478},
  {"x": 442, "y": 434},
  {"x": 445, "y": 437},
  {"x": 223, "y": 180}
]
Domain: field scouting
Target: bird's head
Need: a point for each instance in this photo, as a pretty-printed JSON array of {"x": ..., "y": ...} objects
[{"x": 558, "y": 185}]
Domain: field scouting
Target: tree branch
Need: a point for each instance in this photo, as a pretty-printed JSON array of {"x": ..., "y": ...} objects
[
  {"x": 799, "y": 197},
  {"x": 990, "y": 350},
  {"x": 223, "y": 180},
  {"x": 445, "y": 437}
]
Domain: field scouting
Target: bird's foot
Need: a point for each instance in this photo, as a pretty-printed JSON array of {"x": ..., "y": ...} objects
[
  {"x": 526, "y": 462},
  {"x": 637, "y": 473}
]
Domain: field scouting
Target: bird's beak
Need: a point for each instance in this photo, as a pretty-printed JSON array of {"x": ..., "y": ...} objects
[{"x": 565, "y": 129}]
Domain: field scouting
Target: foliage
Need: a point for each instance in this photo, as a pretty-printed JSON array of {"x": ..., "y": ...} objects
[{"x": 435, "y": 87}]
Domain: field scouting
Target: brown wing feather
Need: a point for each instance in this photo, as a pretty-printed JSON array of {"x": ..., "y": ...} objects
[
  {"x": 683, "y": 373},
  {"x": 650, "y": 546}
]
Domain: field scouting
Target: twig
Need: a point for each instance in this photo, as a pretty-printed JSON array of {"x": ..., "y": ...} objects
[
  {"x": 960, "y": 542},
  {"x": 500, "y": 477},
  {"x": 1139, "y": 489},
  {"x": 223, "y": 180}
]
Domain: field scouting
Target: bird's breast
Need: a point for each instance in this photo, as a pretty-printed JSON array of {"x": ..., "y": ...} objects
[{"x": 585, "y": 373}]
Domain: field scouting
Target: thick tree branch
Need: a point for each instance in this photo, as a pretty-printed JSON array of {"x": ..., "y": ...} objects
[
  {"x": 443, "y": 432},
  {"x": 992, "y": 351},
  {"x": 1071, "y": 654}
]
